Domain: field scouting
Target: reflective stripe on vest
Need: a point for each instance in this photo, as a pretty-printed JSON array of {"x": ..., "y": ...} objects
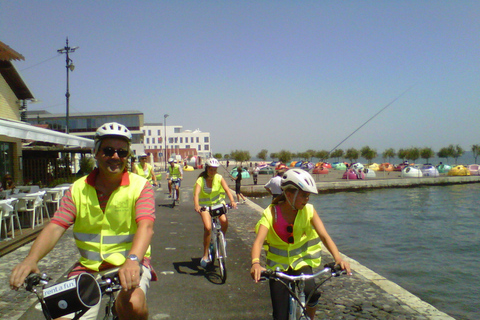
[
  {"x": 217, "y": 195},
  {"x": 105, "y": 236}
]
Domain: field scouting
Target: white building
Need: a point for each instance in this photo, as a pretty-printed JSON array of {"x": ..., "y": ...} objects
[{"x": 184, "y": 143}]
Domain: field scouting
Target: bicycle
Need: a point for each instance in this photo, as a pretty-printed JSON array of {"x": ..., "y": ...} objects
[
  {"x": 217, "y": 249},
  {"x": 76, "y": 295},
  {"x": 175, "y": 190},
  {"x": 296, "y": 284}
]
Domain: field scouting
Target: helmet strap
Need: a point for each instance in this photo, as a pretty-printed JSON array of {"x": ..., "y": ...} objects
[{"x": 294, "y": 199}]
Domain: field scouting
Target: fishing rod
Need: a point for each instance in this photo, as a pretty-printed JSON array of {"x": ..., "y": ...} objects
[{"x": 371, "y": 118}]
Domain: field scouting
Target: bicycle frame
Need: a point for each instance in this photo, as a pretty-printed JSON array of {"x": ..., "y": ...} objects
[
  {"x": 217, "y": 249},
  {"x": 296, "y": 286}
]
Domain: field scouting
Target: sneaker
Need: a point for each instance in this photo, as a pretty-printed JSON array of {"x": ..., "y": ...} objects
[
  {"x": 204, "y": 263},
  {"x": 169, "y": 195}
]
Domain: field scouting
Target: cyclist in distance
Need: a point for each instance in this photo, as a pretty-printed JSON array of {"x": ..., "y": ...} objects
[
  {"x": 174, "y": 171},
  {"x": 112, "y": 212},
  {"x": 209, "y": 190},
  {"x": 294, "y": 233},
  {"x": 144, "y": 169}
]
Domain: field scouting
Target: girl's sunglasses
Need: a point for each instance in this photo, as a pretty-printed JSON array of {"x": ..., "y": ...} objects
[
  {"x": 290, "y": 231},
  {"x": 109, "y": 152}
]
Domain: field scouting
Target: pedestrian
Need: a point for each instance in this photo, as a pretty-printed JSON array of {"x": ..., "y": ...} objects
[
  {"x": 8, "y": 183},
  {"x": 112, "y": 212},
  {"x": 228, "y": 163},
  {"x": 209, "y": 190},
  {"x": 293, "y": 232},
  {"x": 238, "y": 185},
  {"x": 273, "y": 186},
  {"x": 255, "y": 172}
]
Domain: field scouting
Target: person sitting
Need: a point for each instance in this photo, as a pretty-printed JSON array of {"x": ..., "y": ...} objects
[{"x": 8, "y": 183}]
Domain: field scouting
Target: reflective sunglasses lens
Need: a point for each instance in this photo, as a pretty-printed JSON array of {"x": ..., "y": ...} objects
[
  {"x": 122, "y": 153},
  {"x": 108, "y": 151}
]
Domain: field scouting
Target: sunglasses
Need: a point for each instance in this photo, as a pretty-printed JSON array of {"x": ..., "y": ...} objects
[
  {"x": 109, "y": 152},
  {"x": 290, "y": 231}
]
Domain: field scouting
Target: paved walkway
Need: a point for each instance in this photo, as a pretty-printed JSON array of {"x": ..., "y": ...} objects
[{"x": 365, "y": 295}]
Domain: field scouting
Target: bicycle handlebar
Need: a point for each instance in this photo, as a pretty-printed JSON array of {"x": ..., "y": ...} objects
[
  {"x": 217, "y": 210},
  {"x": 334, "y": 270}
]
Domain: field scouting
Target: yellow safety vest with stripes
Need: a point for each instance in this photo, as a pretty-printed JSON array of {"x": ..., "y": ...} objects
[
  {"x": 141, "y": 172},
  {"x": 105, "y": 236},
  {"x": 307, "y": 246},
  {"x": 216, "y": 196},
  {"x": 174, "y": 172}
]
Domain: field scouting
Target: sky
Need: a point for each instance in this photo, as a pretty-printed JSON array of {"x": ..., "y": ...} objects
[{"x": 274, "y": 75}]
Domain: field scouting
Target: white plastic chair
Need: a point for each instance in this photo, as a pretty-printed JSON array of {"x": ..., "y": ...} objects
[
  {"x": 53, "y": 197},
  {"x": 9, "y": 212},
  {"x": 33, "y": 204}
]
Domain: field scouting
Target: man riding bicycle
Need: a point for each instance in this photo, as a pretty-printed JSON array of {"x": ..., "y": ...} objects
[
  {"x": 112, "y": 212},
  {"x": 174, "y": 172}
]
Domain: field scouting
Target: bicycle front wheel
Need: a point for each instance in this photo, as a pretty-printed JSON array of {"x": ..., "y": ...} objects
[{"x": 221, "y": 256}]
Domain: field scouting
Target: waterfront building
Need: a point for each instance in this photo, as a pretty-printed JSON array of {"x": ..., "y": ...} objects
[
  {"x": 182, "y": 144},
  {"x": 85, "y": 124}
]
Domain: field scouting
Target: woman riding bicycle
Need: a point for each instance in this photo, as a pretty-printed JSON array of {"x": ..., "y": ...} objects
[
  {"x": 293, "y": 231},
  {"x": 145, "y": 170},
  {"x": 209, "y": 190}
]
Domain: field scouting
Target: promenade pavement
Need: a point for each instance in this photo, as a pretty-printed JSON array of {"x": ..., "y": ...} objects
[{"x": 186, "y": 291}]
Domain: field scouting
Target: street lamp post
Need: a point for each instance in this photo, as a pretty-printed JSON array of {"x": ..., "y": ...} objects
[
  {"x": 70, "y": 67},
  {"x": 165, "y": 116}
]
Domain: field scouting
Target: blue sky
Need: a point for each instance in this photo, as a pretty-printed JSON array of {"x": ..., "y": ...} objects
[{"x": 273, "y": 75}]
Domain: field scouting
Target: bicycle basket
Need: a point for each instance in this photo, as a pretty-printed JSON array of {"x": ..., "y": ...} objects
[
  {"x": 77, "y": 294},
  {"x": 218, "y": 210}
]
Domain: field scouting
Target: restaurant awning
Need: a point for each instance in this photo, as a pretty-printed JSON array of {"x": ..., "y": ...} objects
[{"x": 22, "y": 130}]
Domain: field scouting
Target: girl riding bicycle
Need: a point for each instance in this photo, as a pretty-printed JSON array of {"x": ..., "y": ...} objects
[
  {"x": 209, "y": 190},
  {"x": 293, "y": 231}
]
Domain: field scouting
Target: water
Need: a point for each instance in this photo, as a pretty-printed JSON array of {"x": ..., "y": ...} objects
[{"x": 424, "y": 239}]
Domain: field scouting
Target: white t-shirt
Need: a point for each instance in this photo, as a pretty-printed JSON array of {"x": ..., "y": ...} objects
[{"x": 274, "y": 185}]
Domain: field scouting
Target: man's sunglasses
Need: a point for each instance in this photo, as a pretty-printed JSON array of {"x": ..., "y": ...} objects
[
  {"x": 109, "y": 152},
  {"x": 290, "y": 231}
]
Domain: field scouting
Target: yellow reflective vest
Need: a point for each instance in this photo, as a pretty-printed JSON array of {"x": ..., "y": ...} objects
[
  {"x": 216, "y": 196},
  {"x": 105, "y": 236},
  {"x": 307, "y": 246},
  {"x": 174, "y": 172},
  {"x": 141, "y": 172}
]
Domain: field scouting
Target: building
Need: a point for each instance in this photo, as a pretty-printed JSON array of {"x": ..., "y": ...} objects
[
  {"x": 181, "y": 143},
  {"x": 85, "y": 124},
  {"x": 15, "y": 133}
]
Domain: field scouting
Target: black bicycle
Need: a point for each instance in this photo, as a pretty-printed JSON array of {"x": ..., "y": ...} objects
[
  {"x": 175, "y": 191},
  {"x": 76, "y": 295}
]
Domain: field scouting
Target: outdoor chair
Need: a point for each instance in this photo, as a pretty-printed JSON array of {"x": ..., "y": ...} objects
[
  {"x": 9, "y": 212},
  {"x": 33, "y": 205},
  {"x": 53, "y": 197}
]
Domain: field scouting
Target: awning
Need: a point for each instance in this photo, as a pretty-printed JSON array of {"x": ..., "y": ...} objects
[{"x": 22, "y": 130}]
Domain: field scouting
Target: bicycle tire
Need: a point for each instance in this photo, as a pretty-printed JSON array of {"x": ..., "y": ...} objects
[{"x": 221, "y": 256}]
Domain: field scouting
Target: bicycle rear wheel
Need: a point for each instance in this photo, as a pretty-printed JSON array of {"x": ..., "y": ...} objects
[{"x": 221, "y": 256}]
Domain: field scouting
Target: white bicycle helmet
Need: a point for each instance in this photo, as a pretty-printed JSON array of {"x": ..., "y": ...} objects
[
  {"x": 170, "y": 160},
  {"x": 298, "y": 179},
  {"x": 111, "y": 129},
  {"x": 212, "y": 162}
]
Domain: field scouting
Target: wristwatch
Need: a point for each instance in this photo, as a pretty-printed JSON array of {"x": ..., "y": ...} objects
[{"x": 133, "y": 257}]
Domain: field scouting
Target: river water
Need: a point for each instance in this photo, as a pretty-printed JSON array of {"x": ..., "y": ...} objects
[{"x": 425, "y": 239}]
